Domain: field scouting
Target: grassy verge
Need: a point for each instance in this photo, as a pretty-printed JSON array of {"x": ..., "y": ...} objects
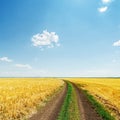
[
  {"x": 99, "y": 108},
  {"x": 69, "y": 110}
]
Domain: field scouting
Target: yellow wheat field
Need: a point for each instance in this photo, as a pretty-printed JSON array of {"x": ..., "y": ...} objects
[
  {"x": 106, "y": 90},
  {"x": 20, "y": 97}
]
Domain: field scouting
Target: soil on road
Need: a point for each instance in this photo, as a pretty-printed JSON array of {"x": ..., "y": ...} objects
[
  {"x": 53, "y": 107},
  {"x": 87, "y": 111}
]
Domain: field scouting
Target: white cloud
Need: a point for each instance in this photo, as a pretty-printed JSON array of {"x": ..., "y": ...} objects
[
  {"x": 5, "y": 59},
  {"x": 23, "y": 66},
  {"x": 117, "y": 43},
  {"x": 103, "y": 9},
  {"x": 45, "y": 39},
  {"x": 106, "y": 1},
  {"x": 105, "y": 4}
]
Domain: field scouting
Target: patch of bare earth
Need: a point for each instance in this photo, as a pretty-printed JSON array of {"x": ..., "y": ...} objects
[{"x": 52, "y": 108}]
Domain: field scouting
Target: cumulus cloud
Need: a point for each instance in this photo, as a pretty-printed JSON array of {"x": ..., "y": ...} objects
[
  {"x": 103, "y": 9},
  {"x": 27, "y": 66},
  {"x": 5, "y": 59},
  {"x": 117, "y": 43},
  {"x": 45, "y": 39}
]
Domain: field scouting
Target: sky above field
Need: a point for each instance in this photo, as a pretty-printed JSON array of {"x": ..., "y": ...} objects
[{"x": 59, "y": 38}]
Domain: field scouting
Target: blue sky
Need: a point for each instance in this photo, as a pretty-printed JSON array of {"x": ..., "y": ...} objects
[{"x": 59, "y": 38}]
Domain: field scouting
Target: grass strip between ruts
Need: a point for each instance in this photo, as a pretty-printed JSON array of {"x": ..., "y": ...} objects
[{"x": 70, "y": 110}]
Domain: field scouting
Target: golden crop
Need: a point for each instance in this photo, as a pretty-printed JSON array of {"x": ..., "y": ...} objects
[
  {"x": 20, "y": 97},
  {"x": 106, "y": 90}
]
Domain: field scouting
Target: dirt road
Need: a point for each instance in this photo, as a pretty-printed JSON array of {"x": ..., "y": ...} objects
[
  {"x": 52, "y": 109},
  {"x": 87, "y": 111}
]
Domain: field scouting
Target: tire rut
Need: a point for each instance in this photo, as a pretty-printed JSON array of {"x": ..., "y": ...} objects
[
  {"x": 52, "y": 108},
  {"x": 87, "y": 110}
]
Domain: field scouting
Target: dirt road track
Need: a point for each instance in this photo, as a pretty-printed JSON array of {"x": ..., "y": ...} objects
[
  {"x": 87, "y": 111},
  {"x": 52, "y": 109}
]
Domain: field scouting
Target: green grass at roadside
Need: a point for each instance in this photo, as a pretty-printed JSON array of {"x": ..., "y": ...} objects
[{"x": 98, "y": 106}]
